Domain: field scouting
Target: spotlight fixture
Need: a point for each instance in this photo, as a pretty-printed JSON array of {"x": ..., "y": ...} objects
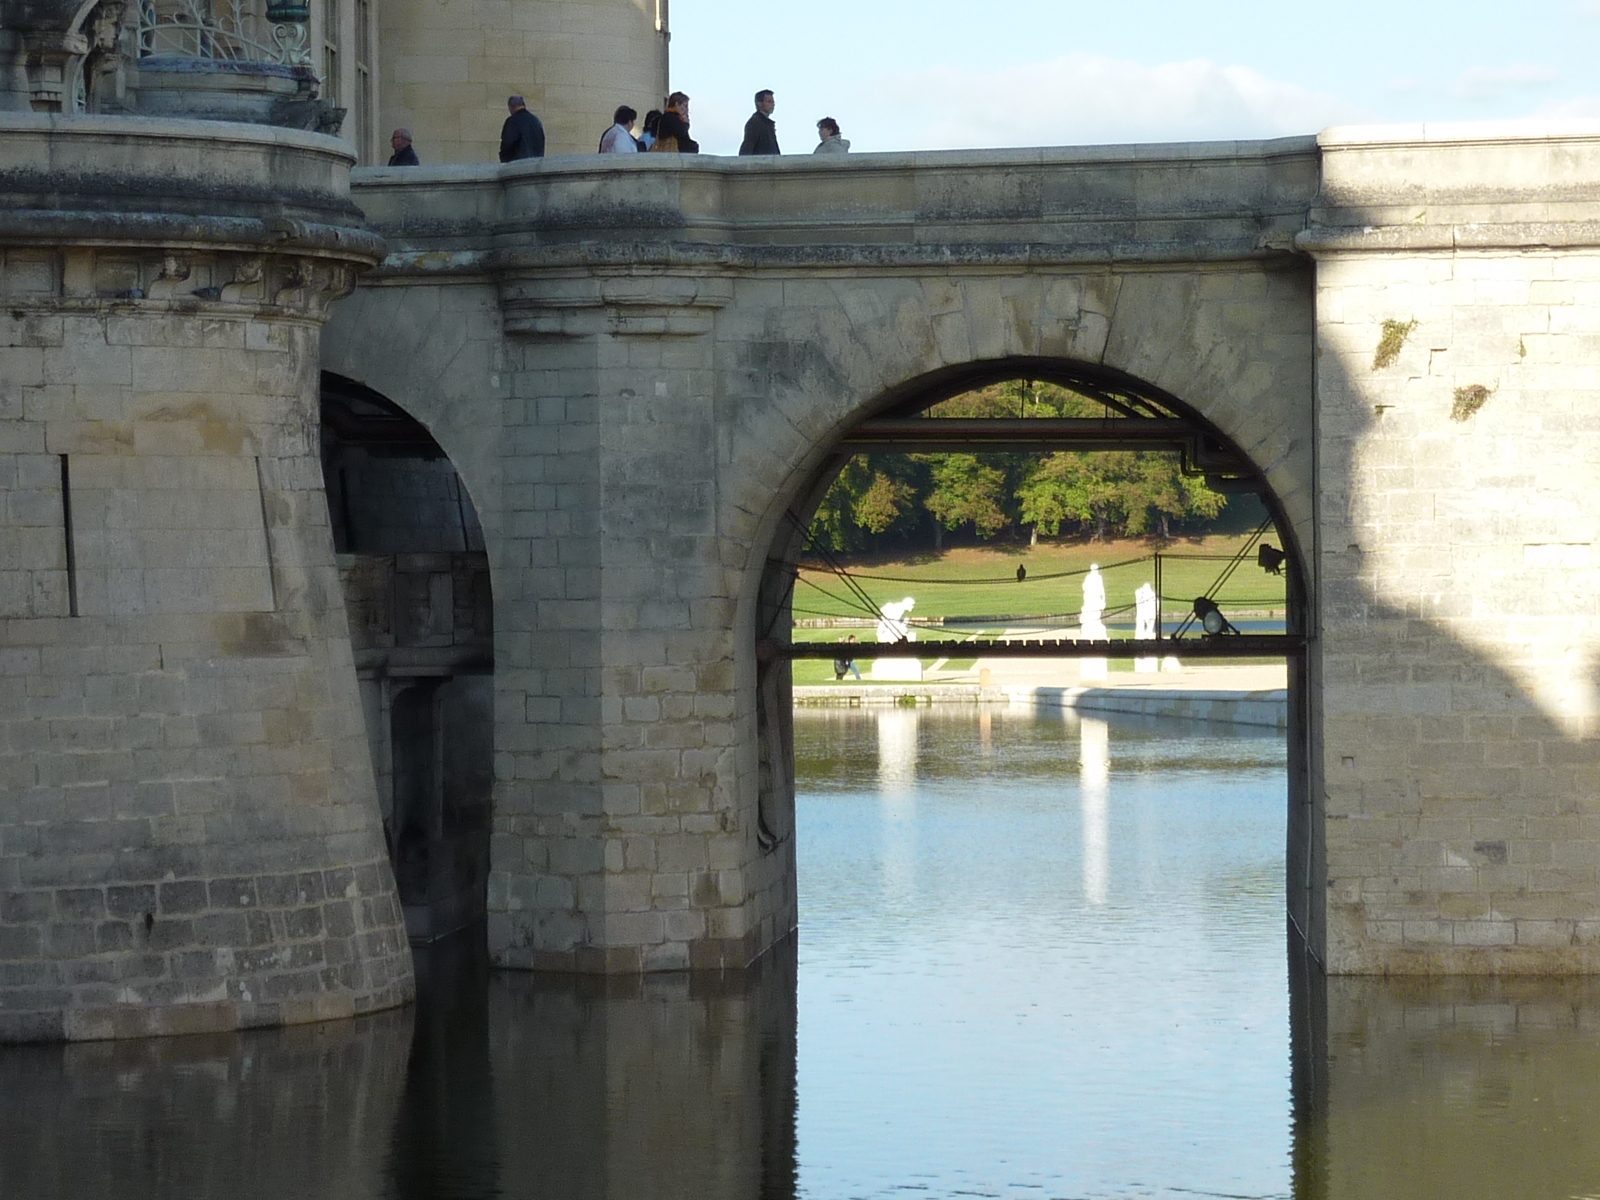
[
  {"x": 1269, "y": 559},
  {"x": 1211, "y": 618}
]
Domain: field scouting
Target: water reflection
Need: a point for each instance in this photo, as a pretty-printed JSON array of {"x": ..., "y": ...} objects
[
  {"x": 1094, "y": 767},
  {"x": 978, "y": 1024},
  {"x": 514, "y": 1085},
  {"x": 1476, "y": 1089}
]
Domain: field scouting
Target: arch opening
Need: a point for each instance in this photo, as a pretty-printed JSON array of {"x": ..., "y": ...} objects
[
  {"x": 1110, "y": 414},
  {"x": 417, "y": 593}
]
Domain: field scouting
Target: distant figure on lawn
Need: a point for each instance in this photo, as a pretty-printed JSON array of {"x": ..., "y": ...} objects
[{"x": 841, "y": 665}]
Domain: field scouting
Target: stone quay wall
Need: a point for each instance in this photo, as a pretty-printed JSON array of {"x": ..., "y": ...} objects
[{"x": 189, "y": 834}]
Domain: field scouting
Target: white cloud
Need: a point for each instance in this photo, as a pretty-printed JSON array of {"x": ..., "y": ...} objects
[
  {"x": 1493, "y": 83},
  {"x": 1081, "y": 99}
]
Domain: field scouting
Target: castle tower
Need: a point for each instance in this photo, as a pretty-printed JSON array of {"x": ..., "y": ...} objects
[
  {"x": 445, "y": 70},
  {"x": 189, "y": 832}
]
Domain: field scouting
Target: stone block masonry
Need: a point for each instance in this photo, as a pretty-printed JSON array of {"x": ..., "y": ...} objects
[
  {"x": 189, "y": 835},
  {"x": 649, "y": 386}
]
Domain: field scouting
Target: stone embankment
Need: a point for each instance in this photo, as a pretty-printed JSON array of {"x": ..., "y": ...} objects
[{"x": 1238, "y": 695}]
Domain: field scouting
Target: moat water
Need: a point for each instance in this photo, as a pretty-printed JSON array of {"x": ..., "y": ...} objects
[{"x": 1041, "y": 956}]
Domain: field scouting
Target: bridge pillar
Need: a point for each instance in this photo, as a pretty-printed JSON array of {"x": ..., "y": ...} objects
[
  {"x": 625, "y": 823},
  {"x": 1458, "y": 382},
  {"x": 189, "y": 835}
]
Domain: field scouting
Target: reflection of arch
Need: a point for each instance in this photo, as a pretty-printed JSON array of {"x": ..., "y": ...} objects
[
  {"x": 417, "y": 589},
  {"x": 1138, "y": 415}
]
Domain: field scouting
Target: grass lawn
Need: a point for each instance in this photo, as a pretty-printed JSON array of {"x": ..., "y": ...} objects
[{"x": 981, "y": 582}]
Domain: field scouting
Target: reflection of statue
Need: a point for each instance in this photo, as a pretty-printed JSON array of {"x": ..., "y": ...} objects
[
  {"x": 892, "y": 625},
  {"x": 1094, "y": 605},
  {"x": 1144, "y": 622}
]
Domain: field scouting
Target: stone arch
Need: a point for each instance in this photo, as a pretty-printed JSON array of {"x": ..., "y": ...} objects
[
  {"x": 1278, "y": 463},
  {"x": 417, "y": 588}
]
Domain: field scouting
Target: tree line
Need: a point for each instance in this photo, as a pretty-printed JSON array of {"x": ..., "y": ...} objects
[{"x": 913, "y": 500}]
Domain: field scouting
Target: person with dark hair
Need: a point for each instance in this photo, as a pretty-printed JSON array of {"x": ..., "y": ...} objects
[
  {"x": 404, "y": 155},
  {"x": 652, "y": 123},
  {"x": 522, "y": 136},
  {"x": 672, "y": 132},
  {"x": 829, "y": 141},
  {"x": 760, "y": 131},
  {"x": 619, "y": 138}
]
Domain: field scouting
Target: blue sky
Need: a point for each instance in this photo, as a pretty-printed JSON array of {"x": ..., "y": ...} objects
[{"x": 931, "y": 74}]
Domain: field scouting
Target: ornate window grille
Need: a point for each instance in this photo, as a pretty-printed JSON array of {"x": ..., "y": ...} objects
[{"x": 222, "y": 30}]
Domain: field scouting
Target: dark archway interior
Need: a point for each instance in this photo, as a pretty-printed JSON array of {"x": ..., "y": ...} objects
[
  {"x": 416, "y": 588},
  {"x": 1136, "y": 415}
]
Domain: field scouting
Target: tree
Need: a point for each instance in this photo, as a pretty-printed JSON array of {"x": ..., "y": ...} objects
[{"x": 969, "y": 488}]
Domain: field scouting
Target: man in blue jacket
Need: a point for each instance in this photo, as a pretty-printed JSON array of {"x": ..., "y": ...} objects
[{"x": 522, "y": 136}]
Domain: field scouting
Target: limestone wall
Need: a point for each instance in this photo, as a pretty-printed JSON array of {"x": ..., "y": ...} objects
[
  {"x": 189, "y": 836},
  {"x": 446, "y": 70},
  {"x": 1458, "y": 400}
]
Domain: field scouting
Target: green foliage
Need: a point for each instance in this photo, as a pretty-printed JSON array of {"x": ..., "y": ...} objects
[
  {"x": 1390, "y": 343},
  {"x": 1469, "y": 400},
  {"x": 887, "y": 497},
  {"x": 969, "y": 489}
]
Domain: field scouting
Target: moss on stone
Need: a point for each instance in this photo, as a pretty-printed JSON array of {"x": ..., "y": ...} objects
[
  {"x": 1394, "y": 337},
  {"x": 1469, "y": 400}
]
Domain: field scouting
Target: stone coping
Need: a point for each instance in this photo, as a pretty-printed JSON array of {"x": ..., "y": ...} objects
[
  {"x": 1154, "y": 153},
  {"x": 170, "y": 128},
  {"x": 1440, "y": 132}
]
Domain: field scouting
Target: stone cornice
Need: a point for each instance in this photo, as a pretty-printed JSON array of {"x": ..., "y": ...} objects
[{"x": 154, "y": 185}]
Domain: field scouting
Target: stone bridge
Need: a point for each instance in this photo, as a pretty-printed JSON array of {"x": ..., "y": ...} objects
[{"x": 641, "y": 371}]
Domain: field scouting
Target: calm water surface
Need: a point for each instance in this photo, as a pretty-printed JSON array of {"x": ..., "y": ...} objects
[{"x": 1041, "y": 957}]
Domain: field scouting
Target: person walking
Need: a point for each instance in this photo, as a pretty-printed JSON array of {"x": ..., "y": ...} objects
[
  {"x": 672, "y": 132},
  {"x": 846, "y": 662},
  {"x": 761, "y": 131},
  {"x": 619, "y": 138},
  {"x": 522, "y": 136},
  {"x": 829, "y": 140},
  {"x": 404, "y": 155}
]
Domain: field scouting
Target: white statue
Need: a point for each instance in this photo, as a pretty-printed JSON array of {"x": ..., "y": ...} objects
[
  {"x": 892, "y": 624},
  {"x": 1091, "y": 622},
  {"x": 1144, "y": 623},
  {"x": 893, "y": 627},
  {"x": 1094, "y": 605}
]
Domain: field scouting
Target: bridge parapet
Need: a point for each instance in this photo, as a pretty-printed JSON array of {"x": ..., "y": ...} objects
[{"x": 1095, "y": 204}]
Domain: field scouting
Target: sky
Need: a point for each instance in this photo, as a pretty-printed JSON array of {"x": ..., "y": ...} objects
[{"x": 955, "y": 74}]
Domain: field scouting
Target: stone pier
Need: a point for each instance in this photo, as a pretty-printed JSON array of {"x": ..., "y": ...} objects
[{"x": 189, "y": 834}]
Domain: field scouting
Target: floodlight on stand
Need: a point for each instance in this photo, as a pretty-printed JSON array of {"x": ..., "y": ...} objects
[
  {"x": 1269, "y": 559},
  {"x": 1211, "y": 618}
]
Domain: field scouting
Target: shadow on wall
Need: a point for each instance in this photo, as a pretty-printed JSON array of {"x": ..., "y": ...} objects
[
  {"x": 1457, "y": 721},
  {"x": 421, "y": 615}
]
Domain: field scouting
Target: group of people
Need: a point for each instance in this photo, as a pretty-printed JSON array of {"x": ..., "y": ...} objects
[
  {"x": 664, "y": 131},
  {"x": 669, "y": 130}
]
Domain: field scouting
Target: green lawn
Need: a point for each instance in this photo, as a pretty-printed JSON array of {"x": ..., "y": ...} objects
[{"x": 973, "y": 582}]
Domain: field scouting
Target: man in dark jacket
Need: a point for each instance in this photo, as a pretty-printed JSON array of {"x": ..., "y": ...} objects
[
  {"x": 760, "y": 131},
  {"x": 404, "y": 154},
  {"x": 522, "y": 136}
]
